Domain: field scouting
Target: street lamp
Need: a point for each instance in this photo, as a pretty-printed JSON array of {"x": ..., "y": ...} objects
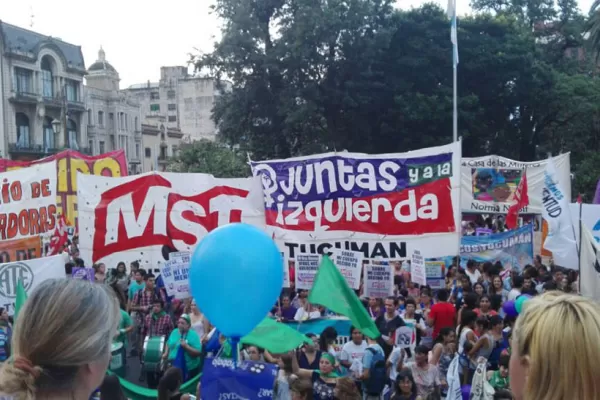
[{"x": 56, "y": 126}]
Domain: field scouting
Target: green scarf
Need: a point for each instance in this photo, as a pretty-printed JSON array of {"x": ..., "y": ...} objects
[{"x": 159, "y": 315}]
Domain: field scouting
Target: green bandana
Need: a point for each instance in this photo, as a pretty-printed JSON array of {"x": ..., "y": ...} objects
[
  {"x": 331, "y": 359},
  {"x": 156, "y": 316}
]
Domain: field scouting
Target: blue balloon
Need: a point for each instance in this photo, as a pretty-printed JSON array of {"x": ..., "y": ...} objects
[{"x": 236, "y": 275}]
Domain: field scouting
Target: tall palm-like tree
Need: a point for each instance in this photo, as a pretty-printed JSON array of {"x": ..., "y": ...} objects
[{"x": 593, "y": 27}]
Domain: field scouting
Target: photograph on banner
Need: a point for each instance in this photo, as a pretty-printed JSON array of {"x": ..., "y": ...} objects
[
  {"x": 68, "y": 164},
  {"x": 31, "y": 273},
  {"x": 28, "y": 199},
  {"x": 307, "y": 266},
  {"x": 378, "y": 281},
  {"x": 489, "y": 183},
  {"x": 435, "y": 271},
  {"x": 513, "y": 249},
  {"x": 384, "y": 206},
  {"x": 249, "y": 381},
  {"x": 418, "y": 273},
  {"x": 145, "y": 217},
  {"x": 350, "y": 265},
  {"x": 20, "y": 249}
]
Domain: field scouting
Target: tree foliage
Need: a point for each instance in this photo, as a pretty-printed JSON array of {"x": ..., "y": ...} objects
[
  {"x": 314, "y": 75},
  {"x": 209, "y": 157}
]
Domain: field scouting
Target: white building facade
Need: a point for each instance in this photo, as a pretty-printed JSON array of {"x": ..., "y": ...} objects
[
  {"x": 113, "y": 116},
  {"x": 185, "y": 101},
  {"x": 42, "y": 108}
]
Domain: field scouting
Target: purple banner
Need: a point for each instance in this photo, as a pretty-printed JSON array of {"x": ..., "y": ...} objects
[
  {"x": 319, "y": 178},
  {"x": 85, "y": 274},
  {"x": 597, "y": 195}
]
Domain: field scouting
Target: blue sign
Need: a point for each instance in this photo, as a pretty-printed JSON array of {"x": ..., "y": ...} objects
[{"x": 249, "y": 380}]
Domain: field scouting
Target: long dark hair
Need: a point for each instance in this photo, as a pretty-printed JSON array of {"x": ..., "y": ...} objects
[
  {"x": 467, "y": 318},
  {"x": 328, "y": 335},
  {"x": 111, "y": 389},
  {"x": 169, "y": 383},
  {"x": 402, "y": 375}
]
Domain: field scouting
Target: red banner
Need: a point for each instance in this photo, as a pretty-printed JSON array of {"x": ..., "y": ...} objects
[{"x": 68, "y": 162}]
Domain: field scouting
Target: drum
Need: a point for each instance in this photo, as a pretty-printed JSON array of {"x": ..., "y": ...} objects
[
  {"x": 152, "y": 353},
  {"x": 117, "y": 364}
]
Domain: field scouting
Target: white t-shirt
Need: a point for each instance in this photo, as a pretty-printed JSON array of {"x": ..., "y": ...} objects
[
  {"x": 398, "y": 355},
  {"x": 473, "y": 276},
  {"x": 513, "y": 294},
  {"x": 354, "y": 354},
  {"x": 302, "y": 315}
]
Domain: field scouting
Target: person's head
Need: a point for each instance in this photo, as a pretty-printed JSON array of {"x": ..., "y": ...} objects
[
  {"x": 495, "y": 302},
  {"x": 442, "y": 295},
  {"x": 447, "y": 335},
  {"x": 285, "y": 363},
  {"x": 194, "y": 307},
  {"x": 527, "y": 282},
  {"x": 410, "y": 306},
  {"x": 496, "y": 323},
  {"x": 517, "y": 282},
  {"x": 302, "y": 293},
  {"x": 465, "y": 283},
  {"x": 326, "y": 363},
  {"x": 315, "y": 343},
  {"x": 61, "y": 341},
  {"x": 451, "y": 271},
  {"x": 426, "y": 298},
  {"x": 537, "y": 261},
  {"x": 405, "y": 383},
  {"x": 3, "y": 314},
  {"x": 356, "y": 335},
  {"x": 138, "y": 275},
  {"x": 390, "y": 305},
  {"x": 471, "y": 265},
  {"x": 503, "y": 362},
  {"x": 468, "y": 318},
  {"x": 373, "y": 302},
  {"x": 569, "y": 325},
  {"x": 346, "y": 389},
  {"x": 484, "y": 303},
  {"x": 471, "y": 300},
  {"x": 301, "y": 389},
  {"x": 253, "y": 353},
  {"x": 497, "y": 283},
  {"x": 157, "y": 306},
  {"x": 285, "y": 301},
  {"x": 478, "y": 289},
  {"x": 421, "y": 353},
  {"x": 111, "y": 389},
  {"x": 149, "y": 278},
  {"x": 99, "y": 268},
  {"x": 121, "y": 268},
  {"x": 327, "y": 337},
  {"x": 134, "y": 266},
  {"x": 558, "y": 276},
  {"x": 169, "y": 383},
  {"x": 549, "y": 286},
  {"x": 184, "y": 322}
]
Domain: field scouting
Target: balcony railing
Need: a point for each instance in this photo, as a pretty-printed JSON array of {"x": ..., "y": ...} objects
[
  {"x": 18, "y": 96},
  {"x": 31, "y": 149}
]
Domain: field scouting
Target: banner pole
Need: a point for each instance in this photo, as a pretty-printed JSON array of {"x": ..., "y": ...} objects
[{"x": 580, "y": 244}]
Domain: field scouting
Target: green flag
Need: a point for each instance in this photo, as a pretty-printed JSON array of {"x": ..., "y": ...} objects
[
  {"x": 21, "y": 297},
  {"x": 276, "y": 337},
  {"x": 331, "y": 290}
]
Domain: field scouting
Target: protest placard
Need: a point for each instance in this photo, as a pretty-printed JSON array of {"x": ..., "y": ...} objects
[
  {"x": 84, "y": 274},
  {"x": 417, "y": 269},
  {"x": 350, "y": 264},
  {"x": 378, "y": 281},
  {"x": 306, "y": 269},
  {"x": 175, "y": 274},
  {"x": 286, "y": 271},
  {"x": 434, "y": 271}
]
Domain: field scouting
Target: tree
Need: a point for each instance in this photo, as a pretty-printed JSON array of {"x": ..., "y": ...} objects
[{"x": 206, "y": 156}]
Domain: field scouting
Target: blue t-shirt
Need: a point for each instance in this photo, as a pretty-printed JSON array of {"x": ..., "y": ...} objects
[
  {"x": 368, "y": 356},
  {"x": 135, "y": 287},
  {"x": 3, "y": 344},
  {"x": 160, "y": 284}
]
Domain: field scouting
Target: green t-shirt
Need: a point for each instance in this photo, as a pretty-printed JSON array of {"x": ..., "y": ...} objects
[
  {"x": 135, "y": 287},
  {"x": 192, "y": 339},
  {"x": 124, "y": 323},
  {"x": 498, "y": 382}
]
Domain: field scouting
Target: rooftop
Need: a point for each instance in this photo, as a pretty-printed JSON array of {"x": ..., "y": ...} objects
[
  {"x": 101, "y": 64},
  {"x": 19, "y": 40}
]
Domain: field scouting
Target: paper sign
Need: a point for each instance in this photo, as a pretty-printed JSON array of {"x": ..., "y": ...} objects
[
  {"x": 417, "y": 269},
  {"x": 379, "y": 281},
  {"x": 350, "y": 264},
  {"x": 306, "y": 269},
  {"x": 85, "y": 274},
  {"x": 175, "y": 274},
  {"x": 434, "y": 270},
  {"x": 286, "y": 271},
  {"x": 404, "y": 336}
]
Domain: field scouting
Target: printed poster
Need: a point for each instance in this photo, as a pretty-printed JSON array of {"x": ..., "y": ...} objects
[
  {"x": 514, "y": 249},
  {"x": 418, "y": 274},
  {"x": 175, "y": 274},
  {"x": 378, "y": 281},
  {"x": 384, "y": 206},
  {"x": 350, "y": 265},
  {"x": 307, "y": 266},
  {"x": 489, "y": 183}
]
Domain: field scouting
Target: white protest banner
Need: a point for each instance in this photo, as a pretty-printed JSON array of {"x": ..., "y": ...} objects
[
  {"x": 31, "y": 272},
  {"x": 286, "y": 271},
  {"x": 28, "y": 201},
  {"x": 434, "y": 270},
  {"x": 378, "y": 281},
  {"x": 175, "y": 274},
  {"x": 404, "y": 336},
  {"x": 145, "y": 217},
  {"x": 489, "y": 183},
  {"x": 383, "y": 206},
  {"x": 418, "y": 274},
  {"x": 350, "y": 265},
  {"x": 306, "y": 269}
]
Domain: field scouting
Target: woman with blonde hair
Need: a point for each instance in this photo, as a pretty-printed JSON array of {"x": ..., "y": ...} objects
[
  {"x": 61, "y": 342},
  {"x": 555, "y": 349}
]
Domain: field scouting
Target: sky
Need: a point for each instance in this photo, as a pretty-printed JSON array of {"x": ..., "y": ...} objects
[{"x": 138, "y": 36}]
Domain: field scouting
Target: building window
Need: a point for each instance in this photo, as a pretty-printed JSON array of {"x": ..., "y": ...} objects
[
  {"x": 111, "y": 121},
  {"x": 101, "y": 148},
  {"x": 47, "y": 77},
  {"x": 23, "y": 80},
  {"x": 72, "y": 134},
  {"x": 101, "y": 118},
  {"x": 154, "y": 96},
  {"x": 171, "y": 94},
  {"x": 90, "y": 116},
  {"x": 172, "y": 118},
  {"x": 48, "y": 135},
  {"x": 148, "y": 152},
  {"x": 137, "y": 151},
  {"x": 112, "y": 142},
  {"x": 172, "y": 107},
  {"x": 154, "y": 107},
  {"x": 71, "y": 88},
  {"x": 91, "y": 146},
  {"x": 22, "y": 130},
  {"x": 121, "y": 121}
]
